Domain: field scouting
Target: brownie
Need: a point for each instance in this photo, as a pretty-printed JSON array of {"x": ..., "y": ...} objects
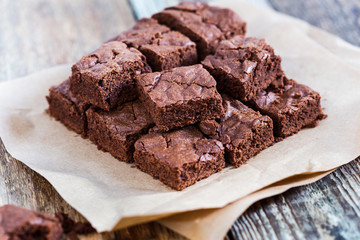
[
  {"x": 18, "y": 223},
  {"x": 203, "y": 24},
  {"x": 116, "y": 131},
  {"x": 291, "y": 108},
  {"x": 243, "y": 131},
  {"x": 244, "y": 66},
  {"x": 163, "y": 48},
  {"x": 105, "y": 77},
  {"x": 179, "y": 158},
  {"x": 64, "y": 107},
  {"x": 71, "y": 227},
  {"x": 180, "y": 96},
  {"x": 225, "y": 19}
]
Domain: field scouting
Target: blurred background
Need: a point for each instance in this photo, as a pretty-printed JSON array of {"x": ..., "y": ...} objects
[{"x": 39, "y": 34}]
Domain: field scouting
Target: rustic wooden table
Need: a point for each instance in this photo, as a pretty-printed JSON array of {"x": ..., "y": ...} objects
[{"x": 43, "y": 33}]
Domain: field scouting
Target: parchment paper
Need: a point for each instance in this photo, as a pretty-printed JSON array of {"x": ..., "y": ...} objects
[{"x": 112, "y": 194}]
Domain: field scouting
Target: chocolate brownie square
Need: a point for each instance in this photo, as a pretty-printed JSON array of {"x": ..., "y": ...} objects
[
  {"x": 19, "y": 223},
  {"x": 203, "y": 24},
  {"x": 180, "y": 96},
  {"x": 105, "y": 77},
  {"x": 243, "y": 131},
  {"x": 163, "y": 48},
  {"x": 179, "y": 158},
  {"x": 64, "y": 107},
  {"x": 116, "y": 131},
  {"x": 225, "y": 19},
  {"x": 243, "y": 66},
  {"x": 291, "y": 108}
]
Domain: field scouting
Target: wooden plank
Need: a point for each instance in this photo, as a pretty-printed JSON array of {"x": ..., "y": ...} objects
[
  {"x": 325, "y": 209},
  {"x": 340, "y": 17},
  {"x": 38, "y": 34}
]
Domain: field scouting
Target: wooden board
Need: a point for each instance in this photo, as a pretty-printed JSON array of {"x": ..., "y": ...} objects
[{"x": 42, "y": 33}]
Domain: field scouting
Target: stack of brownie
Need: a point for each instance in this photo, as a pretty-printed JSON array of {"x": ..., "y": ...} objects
[{"x": 182, "y": 93}]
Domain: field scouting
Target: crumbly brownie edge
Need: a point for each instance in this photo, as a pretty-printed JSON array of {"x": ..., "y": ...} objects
[
  {"x": 106, "y": 97},
  {"x": 67, "y": 112}
]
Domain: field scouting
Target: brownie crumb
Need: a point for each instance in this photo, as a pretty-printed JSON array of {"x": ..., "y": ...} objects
[
  {"x": 19, "y": 223},
  {"x": 72, "y": 228}
]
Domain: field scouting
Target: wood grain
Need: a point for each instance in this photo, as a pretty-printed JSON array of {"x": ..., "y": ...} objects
[
  {"x": 39, "y": 34},
  {"x": 42, "y": 33},
  {"x": 340, "y": 17}
]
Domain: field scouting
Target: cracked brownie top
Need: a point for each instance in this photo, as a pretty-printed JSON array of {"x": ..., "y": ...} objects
[
  {"x": 178, "y": 85},
  {"x": 112, "y": 57},
  {"x": 237, "y": 125},
  {"x": 203, "y": 24},
  {"x": 148, "y": 31},
  {"x": 288, "y": 99},
  {"x": 179, "y": 147},
  {"x": 126, "y": 119}
]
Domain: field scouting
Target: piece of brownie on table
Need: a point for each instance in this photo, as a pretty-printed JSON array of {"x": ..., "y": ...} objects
[
  {"x": 116, "y": 131},
  {"x": 291, "y": 107},
  {"x": 203, "y": 24},
  {"x": 64, "y": 107},
  {"x": 243, "y": 131},
  {"x": 179, "y": 158},
  {"x": 180, "y": 96},
  {"x": 163, "y": 48},
  {"x": 20, "y": 224},
  {"x": 243, "y": 66},
  {"x": 105, "y": 77}
]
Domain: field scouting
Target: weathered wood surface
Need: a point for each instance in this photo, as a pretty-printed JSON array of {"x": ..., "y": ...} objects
[{"x": 39, "y": 34}]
